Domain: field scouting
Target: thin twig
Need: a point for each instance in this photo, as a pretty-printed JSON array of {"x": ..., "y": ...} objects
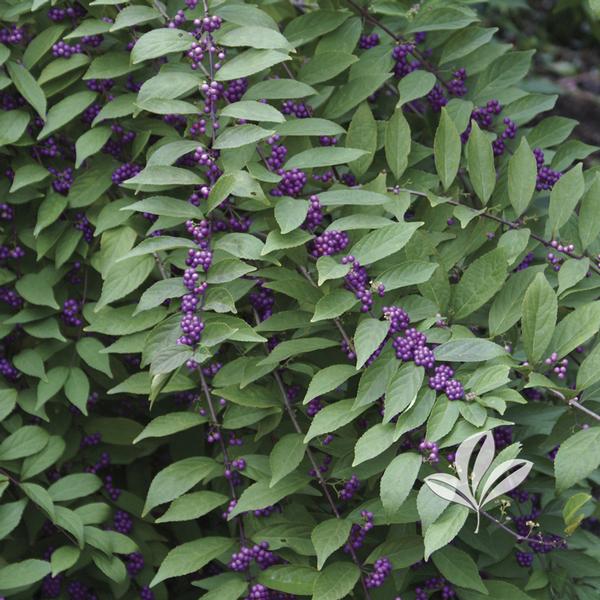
[
  {"x": 215, "y": 423},
  {"x": 290, "y": 411},
  {"x": 510, "y": 225}
]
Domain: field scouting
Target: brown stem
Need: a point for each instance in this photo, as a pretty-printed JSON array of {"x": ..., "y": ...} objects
[
  {"x": 290, "y": 411},
  {"x": 513, "y": 225},
  {"x": 215, "y": 423},
  {"x": 397, "y": 38},
  {"x": 303, "y": 271}
]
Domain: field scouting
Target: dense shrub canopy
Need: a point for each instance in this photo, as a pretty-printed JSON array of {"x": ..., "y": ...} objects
[{"x": 265, "y": 267}]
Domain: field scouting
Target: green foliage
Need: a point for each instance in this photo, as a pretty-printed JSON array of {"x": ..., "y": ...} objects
[{"x": 329, "y": 197}]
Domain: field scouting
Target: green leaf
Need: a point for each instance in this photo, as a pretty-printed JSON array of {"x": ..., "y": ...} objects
[
  {"x": 447, "y": 150},
  {"x": 506, "y": 308},
  {"x": 416, "y": 415},
  {"x": 336, "y": 581},
  {"x": 353, "y": 93},
  {"x": 255, "y": 37},
  {"x": 415, "y": 85},
  {"x": 539, "y": 317},
  {"x": 369, "y": 334},
  {"x": 564, "y": 197},
  {"x": 571, "y": 511},
  {"x": 441, "y": 18},
  {"x": 373, "y": 442},
  {"x": 165, "y": 206},
  {"x": 310, "y": 126},
  {"x": 10, "y": 516},
  {"x": 480, "y": 282},
  {"x": 90, "y": 350},
  {"x": 248, "y": 63},
  {"x": 28, "y": 87},
  {"x": 66, "y": 110},
  {"x": 30, "y": 362},
  {"x": 328, "y": 379},
  {"x": 241, "y": 135},
  {"x": 458, "y": 568},
  {"x": 323, "y": 157},
  {"x": 480, "y": 163},
  {"x": 250, "y": 110},
  {"x": 522, "y": 175},
  {"x": 383, "y": 242},
  {"x": 169, "y": 424},
  {"x": 156, "y": 244},
  {"x": 291, "y": 579},
  {"x": 12, "y": 126},
  {"x": 286, "y": 455},
  {"x": 279, "y": 89},
  {"x": 176, "y": 479},
  {"x": 192, "y": 506},
  {"x": 278, "y": 241},
  {"x": 589, "y": 214},
  {"x": 374, "y": 380},
  {"x": 228, "y": 590},
  {"x": 445, "y": 528},
  {"x": 402, "y": 390},
  {"x": 63, "y": 558},
  {"x": 261, "y": 494},
  {"x": 398, "y": 480},
  {"x": 28, "y": 175},
  {"x": 362, "y": 133},
  {"x": 411, "y": 272},
  {"x": 442, "y": 419},
  {"x": 74, "y": 486},
  {"x": 40, "y": 44},
  {"x": 465, "y": 41},
  {"x": 18, "y": 575},
  {"x": 572, "y": 271},
  {"x": 468, "y": 350},
  {"x": 26, "y": 441},
  {"x": 57, "y": 68},
  {"x": 313, "y": 24},
  {"x": 333, "y": 305},
  {"x": 332, "y": 417},
  {"x": 159, "y": 42},
  {"x": 325, "y": 65},
  {"x": 352, "y": 197},
  {"x": 90, "y": 143},
  {"x": 328, "y": 536},
  {"x": 287, "y": 349},
  {"x": 130, "y": 16},
  {"x": 125, "y": 277},
  {"x": 576, "y": 328},
  {"x": 290, "y": 213},
  {"x": 589, "y": 371},
  {"x": 191, "y": 557},
  {"x": 486, "y": 379},
  {"x": 578, "y": 457},
  {"x": 77, "y": 389},
  {"x": 163, "y": 175},
  {"x": 397, "y": 143}
]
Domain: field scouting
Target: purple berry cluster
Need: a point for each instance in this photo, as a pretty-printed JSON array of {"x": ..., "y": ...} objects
[
  {"x": 71, "y": 313},
  {"x": 357, "y": 280},
  {"x": 441, "y": 381},
  {"x": 359, "y": 531},
  {"x": 300, "y": 110},
  {"x": 350, "y": 488},
  {"x": 430, "y": 451},
  {"x": 413, "y": 346},
  {"x": 381, "y": 571},
  {"x": 546, "y": 177},
  {"x": 259, "y": 554},
  {"x": 367, "y": 41},
  {"x": 329, "y": 243}
]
